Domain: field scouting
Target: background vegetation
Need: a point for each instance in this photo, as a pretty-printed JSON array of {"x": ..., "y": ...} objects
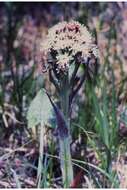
[{"x": 99, "y": 112}]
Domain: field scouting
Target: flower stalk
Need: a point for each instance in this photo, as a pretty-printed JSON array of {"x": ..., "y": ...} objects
[
  {"x": 65, "y": 152},
  {"x": 66, "y": 44},
  {"x": 41, "y": 152}
]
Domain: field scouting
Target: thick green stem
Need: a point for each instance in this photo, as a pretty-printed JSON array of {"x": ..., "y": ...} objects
[
  {"x": 65, "y": 153},
  {"x": 66, "y": 163}
]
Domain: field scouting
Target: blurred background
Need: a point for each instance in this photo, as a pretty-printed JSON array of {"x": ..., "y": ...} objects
[{"x": 22, "y": 26}]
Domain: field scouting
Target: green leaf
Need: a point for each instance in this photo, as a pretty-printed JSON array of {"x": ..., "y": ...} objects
[
  {"x": 41, "y": 111},
  {"x": 101, "y": 119}
]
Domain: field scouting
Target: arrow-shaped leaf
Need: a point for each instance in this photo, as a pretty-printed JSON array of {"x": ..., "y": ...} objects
[{"x": 41, "y": 111}]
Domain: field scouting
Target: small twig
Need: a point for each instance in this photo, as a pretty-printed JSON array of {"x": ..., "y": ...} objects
[
  {"x": 4, "y": 184},
  {"x": 5, "y": 156},
  {"x": 12, "y": 150},
  {"x": 28, "y": 182},
  {"x": 5, "y": 120},
  {"x": 12, "y": 117}
]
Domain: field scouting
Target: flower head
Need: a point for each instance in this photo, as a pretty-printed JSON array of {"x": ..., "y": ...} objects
[
  {"x": 62, "y": 61},
  {"x": 67, "y": 40}
]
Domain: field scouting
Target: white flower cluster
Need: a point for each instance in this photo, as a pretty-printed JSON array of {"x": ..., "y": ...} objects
[
  {"x": 67, "y": 40},
  {"x": 63, "y": 61}
]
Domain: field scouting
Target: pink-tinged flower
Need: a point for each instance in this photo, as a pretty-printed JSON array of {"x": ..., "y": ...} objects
[{"x": 65, "y": 41}]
